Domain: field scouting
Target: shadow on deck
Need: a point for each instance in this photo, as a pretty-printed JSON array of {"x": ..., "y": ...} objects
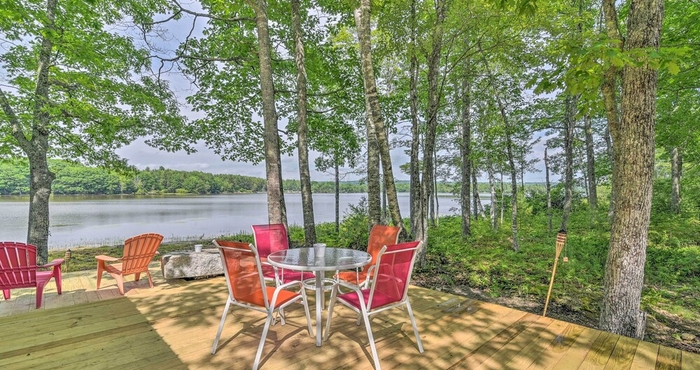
[{"x": 173, "y": 325}]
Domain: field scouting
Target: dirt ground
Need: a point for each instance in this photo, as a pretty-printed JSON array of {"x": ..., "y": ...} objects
[{"x": 662, "y": 327}]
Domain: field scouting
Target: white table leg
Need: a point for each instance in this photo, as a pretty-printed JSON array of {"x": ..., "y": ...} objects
[{"x": 319, "y": 307}]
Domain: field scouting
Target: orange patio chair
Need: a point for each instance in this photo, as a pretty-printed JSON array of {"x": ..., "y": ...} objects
[
  {"x": 138, "y": 253},
  {"x": 380, "y": 236},
  {"x": 272, "y": 238},
  {"x": 18, "y": 269},
  {"x": 388, "y": 289},
  {"x": 246, "y": 287}
]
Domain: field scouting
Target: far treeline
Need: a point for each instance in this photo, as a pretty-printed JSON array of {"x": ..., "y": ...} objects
[{"x": 77, "y": 179}]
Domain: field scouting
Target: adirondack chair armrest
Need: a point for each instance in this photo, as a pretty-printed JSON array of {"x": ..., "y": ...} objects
[
  {"x": 54, "y": 263},
  {"x": 102, "y": 257}
]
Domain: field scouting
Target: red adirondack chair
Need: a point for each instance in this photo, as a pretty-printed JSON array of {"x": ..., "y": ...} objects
[{"x": 18, "y": 269}]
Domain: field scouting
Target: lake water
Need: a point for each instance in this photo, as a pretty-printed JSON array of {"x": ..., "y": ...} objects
[{"x": 108, "y": 220}]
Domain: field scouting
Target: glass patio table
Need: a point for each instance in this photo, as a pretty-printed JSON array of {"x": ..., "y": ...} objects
[{"x": 305, "y": 259}]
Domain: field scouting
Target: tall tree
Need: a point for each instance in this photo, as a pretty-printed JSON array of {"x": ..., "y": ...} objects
[
  {"x": 375, "y": 117},
  {"x": 77, "y": 90},
  {"x": 307, "y": 203},
  {"x": 633, "y": 138},
  {"x": 276, "y": 208}
]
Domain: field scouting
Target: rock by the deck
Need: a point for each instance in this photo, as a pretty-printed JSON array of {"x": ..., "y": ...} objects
[{"x": 190, "y": 264}]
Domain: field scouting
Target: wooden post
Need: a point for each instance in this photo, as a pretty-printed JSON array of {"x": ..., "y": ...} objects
[{"x": 561, "y": 241}]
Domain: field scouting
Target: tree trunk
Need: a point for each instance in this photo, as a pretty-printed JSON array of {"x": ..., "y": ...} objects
[
  {"x": 337, "y": 197},
  {"x": 609, "y": 87},
  {"x": 492, "y": 188},
  {"x": 362, "y": 19},
  {"x": 276, "y": 208},
  {"x": 511, "y": 159},
  {"x": 431, "y": 119},
  {"x": 36, "y": 148},
  {"x": 307, "y": 202},
  {"x": 569, "y": 124},
  {"x": 590, "y": 166},
  {"x": 465, "y": 149},
  {"x": 503, "y": 199},
  {"x": 374, "y": 201},
  {"x": 433, "y": 199},
  {"x": 548, "y": 187},
  {"x": 633, "y": 138},
  {"x": 417, "y": 230},
  {"x": 676, "y": 174}
]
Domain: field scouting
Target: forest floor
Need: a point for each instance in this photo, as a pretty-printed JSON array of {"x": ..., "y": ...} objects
[{"x": 663, "y": 327}]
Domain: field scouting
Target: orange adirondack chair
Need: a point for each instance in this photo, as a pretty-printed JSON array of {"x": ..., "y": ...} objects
[
  {"x": 380, "y": 236},
  {"x": 18, "y": 269},
  {"x": 138, "y": 253}
]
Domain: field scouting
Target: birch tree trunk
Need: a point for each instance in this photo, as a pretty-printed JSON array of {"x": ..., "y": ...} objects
[
  {"x": 307, "y": 203},
  {"x": 633, "y": 137},
  {"x": 548, "y": 188},
  {"x": 590, "y": 166},
  {"x": 276, "y": 208},
  {"x": 465, "y": 149},
  {"x": 676, "y": 174},
  {"x": 362, "y": 20},
  {"x": 374, "y": 201},
  {"x": 511, "y": 159},
  {"x": 417, "y": 229},
  {"x": 569, "y": 123},
  {"x": 337, "y": 197},
  {"x": 492, "y": 187},
  {"x": 431, "y": 119}
]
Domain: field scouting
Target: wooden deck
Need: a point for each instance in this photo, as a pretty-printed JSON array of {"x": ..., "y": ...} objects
[{"x": 172, "y": 326}]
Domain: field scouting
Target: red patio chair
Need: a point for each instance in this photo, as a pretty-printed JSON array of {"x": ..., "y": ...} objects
[
  {"x": 379, "y": 236},
  {"x": 246, "y": 287},
  {"x": 18, "y": 269},
  {"x": 388, "y": 289},
  {"x": 272, "y": 238}
]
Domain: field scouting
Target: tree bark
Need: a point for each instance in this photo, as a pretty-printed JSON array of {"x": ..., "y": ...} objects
[
  {"x": 362, "y": 19},
  {"x": 37, "y": 146},
  {"x": 374, "y": 201},
  {"x": 511, "y": 159},
  {"x": 590, "y": 166},
  {"x": 337, "y": 196},
  {"x": 492, "y": 188},
  {"x": 569, "y": 124},
  {"x": 307, "y": 203},
  {"x": 610, "y": 86},
  {"x": 276, "y": 208},
  {"x": 417, "y": 229},
  {"x": 465, "y": 149},
  {"x": 676, "y": 174},
  {"x": 633, "y": 138},
  {"x": 548, "y": 188}
]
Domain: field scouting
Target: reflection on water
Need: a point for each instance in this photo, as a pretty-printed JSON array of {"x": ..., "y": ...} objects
[{"x": 98, "y": 220}]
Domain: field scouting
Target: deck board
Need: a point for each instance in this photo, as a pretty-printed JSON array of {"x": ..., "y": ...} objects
[{"x": 172, "y": 326}]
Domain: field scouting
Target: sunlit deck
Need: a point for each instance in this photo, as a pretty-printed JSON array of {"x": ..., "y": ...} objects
[{"x": 172, "y": 326}]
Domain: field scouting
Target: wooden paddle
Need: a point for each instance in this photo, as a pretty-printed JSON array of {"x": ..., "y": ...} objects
[{"x": 561, "y": 241}]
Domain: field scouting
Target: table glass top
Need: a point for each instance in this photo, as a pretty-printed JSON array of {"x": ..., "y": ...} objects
[{"x": 332, "y": 259}]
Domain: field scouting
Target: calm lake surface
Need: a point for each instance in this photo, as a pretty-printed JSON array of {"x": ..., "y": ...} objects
[{"x": 108, "y": 220}]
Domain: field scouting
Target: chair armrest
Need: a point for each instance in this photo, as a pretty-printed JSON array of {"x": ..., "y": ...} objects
[
  {"x": 56, "y": 262},
  {"x": 102, "y": 257}
]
